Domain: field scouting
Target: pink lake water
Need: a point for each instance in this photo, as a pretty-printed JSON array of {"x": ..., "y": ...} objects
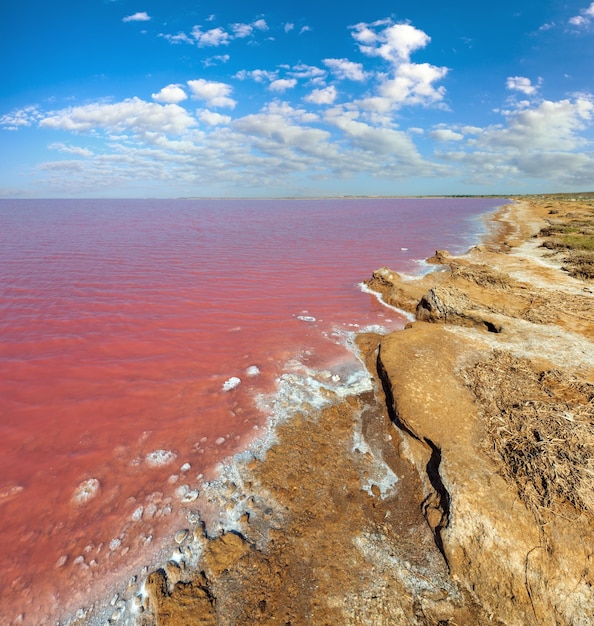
[{"x": 121, "y": 323}]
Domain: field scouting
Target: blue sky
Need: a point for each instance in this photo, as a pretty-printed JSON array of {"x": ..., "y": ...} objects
[{"x": 135, "y": 98}]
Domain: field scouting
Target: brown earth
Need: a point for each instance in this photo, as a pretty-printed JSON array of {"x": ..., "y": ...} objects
[{"x": 460, "y": 491}]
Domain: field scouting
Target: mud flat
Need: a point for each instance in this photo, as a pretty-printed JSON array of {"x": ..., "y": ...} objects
[{"x": 455, "y": 486}]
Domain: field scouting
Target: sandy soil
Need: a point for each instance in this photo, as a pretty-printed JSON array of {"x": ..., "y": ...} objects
[{"x": 458, "y": 491}]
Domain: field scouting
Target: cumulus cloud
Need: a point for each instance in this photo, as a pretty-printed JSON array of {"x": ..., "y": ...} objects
[
  {"x": 542, "y": 141},
  {"x": 171, "y": 94},
  {"x": 132, "y": 114},
  {"x": 345, "y": 69},
  {"x": 282, "y": 84},
  {"x": 445, "y": 134},
  {"x": 177, "y": 39},
  {"x": 551, "y": 126},
  {"x": 215, "y": 60},
  {"x": 520, "y": 83},
  {"x": 141, "y": 16},
  {"x": 213, "y": 93},
  {"x": 211, "y": 118},
  {"x": 242, "y": 30},
  {"x": 20, "y": 118},
  {"x": 280, "y": 130},
  {"x": 584, "y": 18},
  {"x": 213, "y": 37},
  {"x": 322, "y": 96},
  {"x": 283, "y": 144},
  {"x": 407, "y": 83},
  {"x": 260, "y": 76},
  {"x": 394, "y": 43},
  {"x": 303, "y": 71},
  {"x": 260, "y": 24},
  {"x": 288, "y": 27}
]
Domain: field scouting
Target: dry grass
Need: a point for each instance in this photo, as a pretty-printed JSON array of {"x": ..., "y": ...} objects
[
  {"x": 540, "y": 431},
  {"x": 580, "y": 264},
  {"x": 572, "y": 236}
]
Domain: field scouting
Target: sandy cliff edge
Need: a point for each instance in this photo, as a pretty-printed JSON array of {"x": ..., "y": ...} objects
[{"x": 459, "y": 490}]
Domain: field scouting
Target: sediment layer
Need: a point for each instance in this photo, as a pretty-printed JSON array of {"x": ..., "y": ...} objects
[{"x": 458, "y": 491}]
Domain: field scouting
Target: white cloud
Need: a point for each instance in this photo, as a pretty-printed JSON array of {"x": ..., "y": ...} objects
[
  {"x": 551, "y": 126},
  {"x": 260, "y": 24},
  {"x": 19, "y": 118},
  {"x": 305, "y": 29},
  {"x": 395, "y": 148},
  {"x": 218, "y": 36},
  {"x": 282, "y": 84},
  {"x": 445, "y": 134},
  {"x": 242, "y": 30},
  {"x": 322, "y": 96},
  {"x": 303, "y": 71},
  {"x": 289, "y": 27},
  {"x": 213, "y": 93},
  {"x": 213, "y": 37},
  {"x": 132, "y": 114},
  {"x": 412, "y": 84},
  {"x": 280, "y": 131},
  {"x": 78, "y": 151},
  {"x": 260, "y": 76},
  {"x": 218, "y": 58},
  {"x": 211, "y": 118},
  {"x": 520, "y": 83},
  {"x": 176, "y": 39},
  {"x": 142, "y": 16},
  {"x": 542, "y": 142},
  {"x": 584, "y": 18},
  {"x": 408, "y": 83},
  {"x": 395, "y": 43},
  {"x": 171, "y": 94},
  {"x": 345, "y": 69}
]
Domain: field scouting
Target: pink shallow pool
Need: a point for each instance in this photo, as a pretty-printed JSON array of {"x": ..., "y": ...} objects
[{"x": 124, "y": 326}]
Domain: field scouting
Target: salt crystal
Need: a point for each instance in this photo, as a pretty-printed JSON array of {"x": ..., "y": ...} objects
[
  {"x": 160, "y": 457},
  {"x": 252, "y": 370},
  {"x": 231, "y": 383},
  {"x": 86, "y": 491}
]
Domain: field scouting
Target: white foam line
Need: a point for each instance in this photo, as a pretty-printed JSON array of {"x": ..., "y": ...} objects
[{"x": 365, "y": 289}]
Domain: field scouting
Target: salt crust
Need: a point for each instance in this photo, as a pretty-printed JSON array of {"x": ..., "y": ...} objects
[
  {"x": 299, "y": 389},
  {"x": 158, "y": 458},
  {"x": 365, "y": 289},
  {"x": 86, "y": 491},
  {"x": 231, "y": 383}
]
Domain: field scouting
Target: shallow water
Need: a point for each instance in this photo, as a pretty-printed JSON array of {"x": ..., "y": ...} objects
[{"x": 135, "y": 339}]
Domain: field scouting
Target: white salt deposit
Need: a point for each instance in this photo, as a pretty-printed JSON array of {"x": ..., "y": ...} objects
[
  {"x": 365, "y": 289},
  {"x": 86, "y": 491},
  {"x": 115, "y": 543},
  {"x": 158, "y": 458},
  {"x": 137, "y": 514},
  {"x": 252, "y": 370},
  {"x": 306, "y": 318},
  {"x": 231, "y": 383}
]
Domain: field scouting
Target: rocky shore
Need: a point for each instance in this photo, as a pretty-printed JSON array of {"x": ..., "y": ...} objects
[{"x": 459, "y": 490}]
